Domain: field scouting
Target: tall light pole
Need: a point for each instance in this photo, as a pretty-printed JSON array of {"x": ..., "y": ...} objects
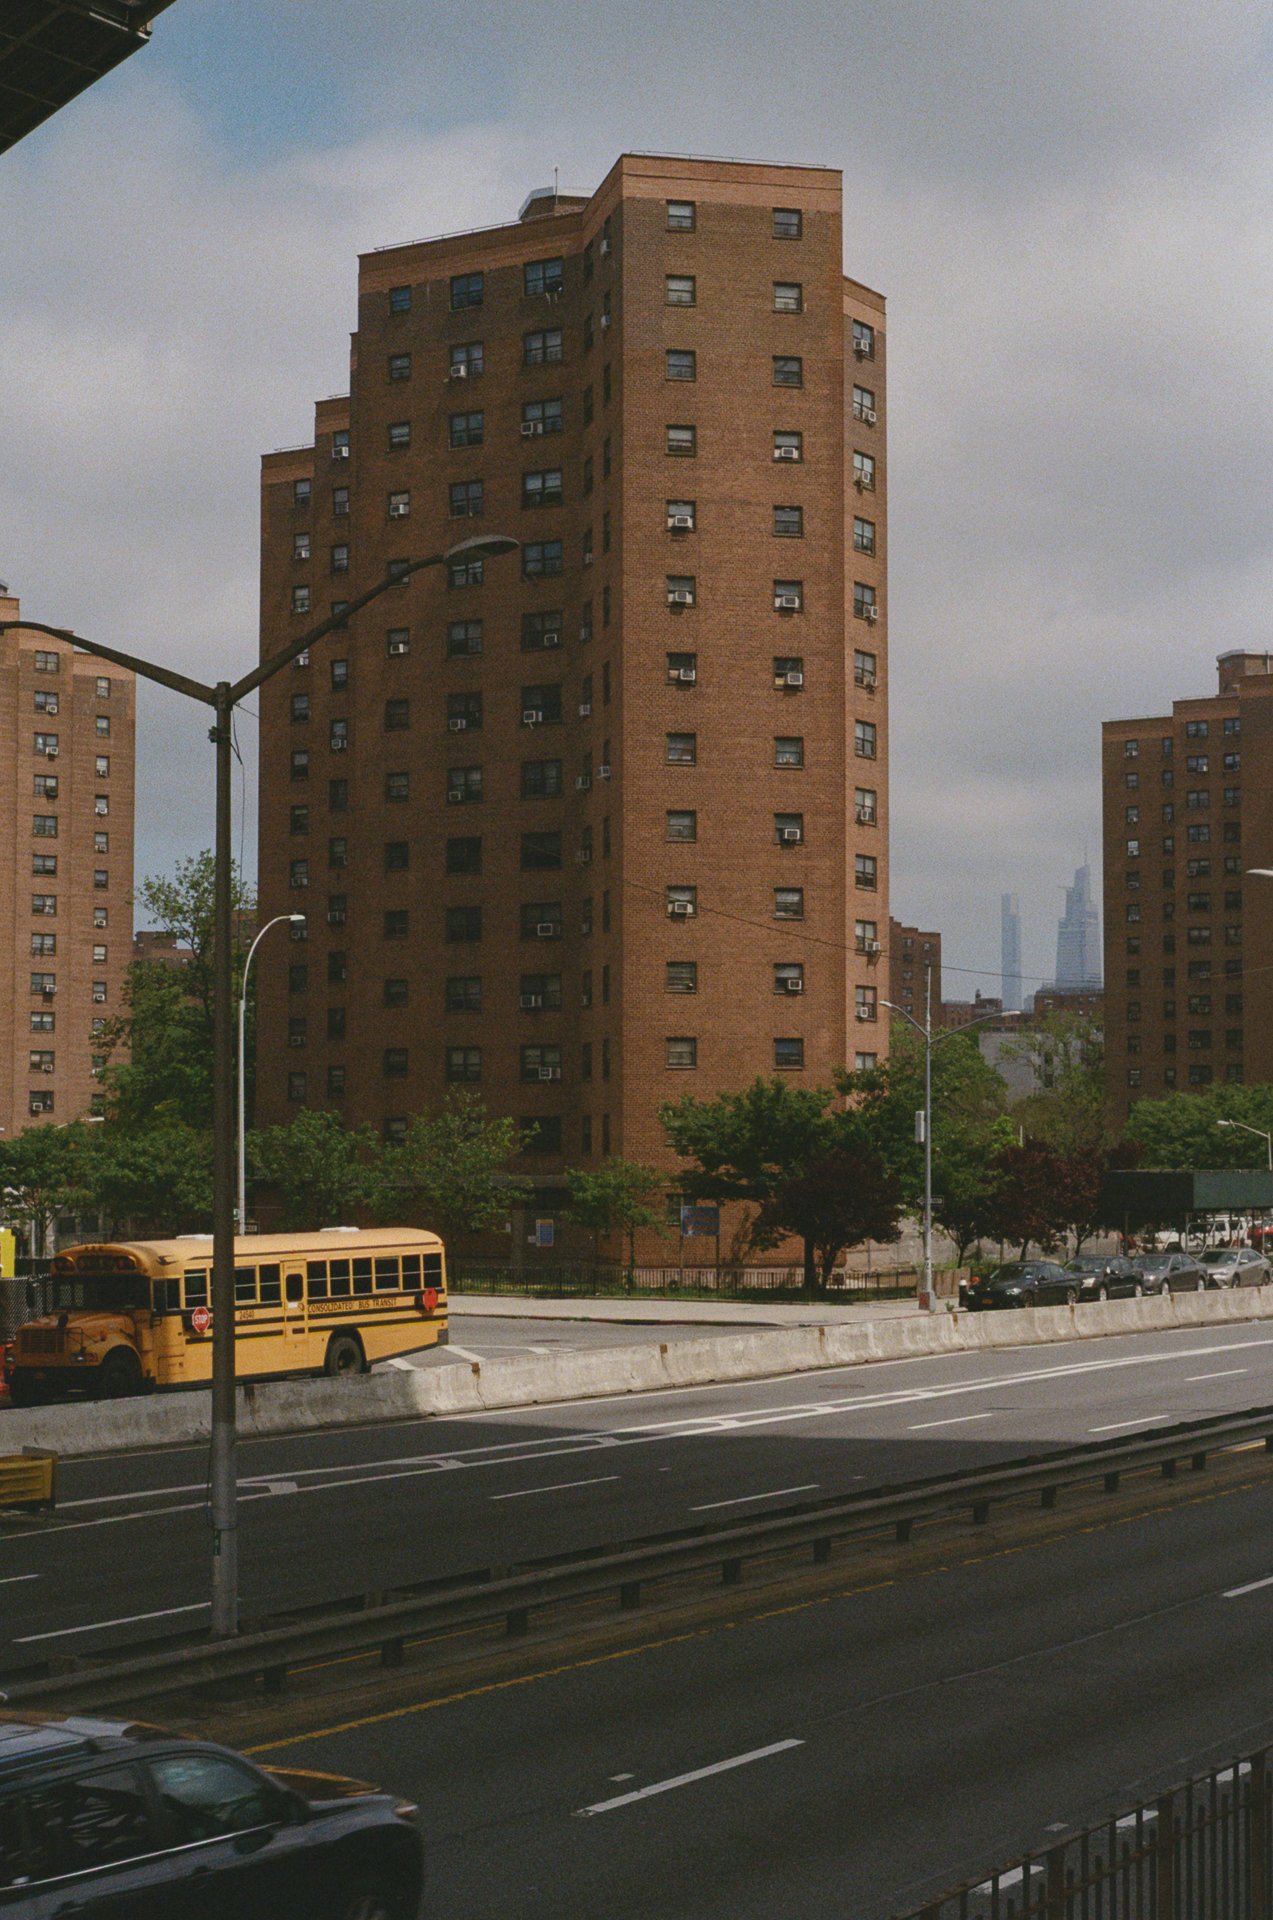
[
  {"x": 296, "y": 920},
  {"x": 1259, "y": 1133},
  {"x": 223, "y": 698},
  {"x": 927, "y": 1299}
]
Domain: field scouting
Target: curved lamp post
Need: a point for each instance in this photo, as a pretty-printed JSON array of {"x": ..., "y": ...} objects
[
  {"x": 223, "y": 698},
  {"x": 294, "y": 919}
]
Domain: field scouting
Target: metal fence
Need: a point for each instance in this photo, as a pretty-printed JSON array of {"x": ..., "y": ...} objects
[
  {"x": 30, "y": 1293},
  {"x": 587, "y": 1280},
  {"x": 1199, "y": 1852}
]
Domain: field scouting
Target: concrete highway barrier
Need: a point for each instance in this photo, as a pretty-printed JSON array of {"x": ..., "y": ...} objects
[{"x": 304, "y": 1405}]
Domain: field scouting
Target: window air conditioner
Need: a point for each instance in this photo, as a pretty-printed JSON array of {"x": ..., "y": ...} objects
[
  {"x": 604, "y": 248},
  {"x": 605, "y": 321},
  {"x": 861, "y": 348},
  {"x": 794, "y": 986},
  {"x": 340, "y": 453},
  {"x": 587, "y": 559},
  {"x": 786, "y": 453},
  {"x": 794, "y": 679},
  {"x": 50, "y": 753},
  {"x": 45, "y": 1067},
  {"x": 583, "y": 782},
  {"x": 865, "y": 817},
  {"x": 872, "y": 946},
  {"x": 585, "y": 710},
  {"x": 550, "y": 1073},
  {"x": 398, "y": 510},
  {"x": 546, "y": 930},
  {"x": 552, "y": 638},
  {"x": 338, "y": 746},
  {"x": 455, "y": 795},
  {"x": 678, "y": 597},
  {"x": 680, "y": 909},
  {"x": 866, "y": 1013},
  {"x": 787, "y": 602},
  {"x": 687, "y": 676},
  {"x": 528, "y": 428},
  {"x": 585, "y": 633},
  {"x": 603, "y": 773},
  {"x": 871, "y": 613},
  {"x": 792, "y": 834},
  {"x": 868, "y": 414},
  {"x": 457, "y": 726},
  {"x": 860, "y": 477},
  {"x": 529, "y": 1000},
  {"x": 866, "y": 680},
  {"x": 584, "y": 857},
  {"x": 459, "y": 371},
  {"x": 681, "y": 522},
  {"x": 531, "y": 717}
]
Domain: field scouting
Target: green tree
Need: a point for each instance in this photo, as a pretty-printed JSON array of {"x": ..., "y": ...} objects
[
  {"x": 1032, "y": 1203},
  {"x": 451, "y": 1172},
  {"x": 1181, "y": 1131},
  {"x": 151, "y": 1180},
  {"x": 614, "y": 1198},
  {"x": 840, "y": 1199},
  {"x": 45, "y": 1171},
  {"x": 325, "y": 1173},
  {"x": 1066, "y": 1055}
]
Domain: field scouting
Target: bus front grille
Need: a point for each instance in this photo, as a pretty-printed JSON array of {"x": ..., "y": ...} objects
[{"x": 41, "y": 1340}]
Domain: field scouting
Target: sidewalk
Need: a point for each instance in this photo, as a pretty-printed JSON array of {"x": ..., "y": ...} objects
[{"x": 668, "y": 1312}]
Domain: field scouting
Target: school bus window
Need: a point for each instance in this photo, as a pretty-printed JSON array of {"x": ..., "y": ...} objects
[
  {"x": 295, "y": 1289},
  {"x": 316, "y": 1271},
  {"x": 271, "y": 1286},
  {"x": 362, "y": 1276},
  {"x": 196, "y": 1288},
  {"x": 410, "y": 1270},
  {"x": 433, "y": 1269},
  {"x": 386, "y": 1275},
  {"x": 339, "y": 1271},
  {"x": 244, "y": 1286},
  {"x": 167, "y": 1296}
]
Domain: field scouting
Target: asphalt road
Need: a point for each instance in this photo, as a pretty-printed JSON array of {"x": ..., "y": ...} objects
[
  {"x": 337, "y": 1514},
  {"x": 842, "y": 1758},
  {"x": 487, "y": 1337}
]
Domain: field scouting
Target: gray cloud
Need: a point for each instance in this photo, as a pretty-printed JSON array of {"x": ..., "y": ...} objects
[{"x": 1062, "y": 206}]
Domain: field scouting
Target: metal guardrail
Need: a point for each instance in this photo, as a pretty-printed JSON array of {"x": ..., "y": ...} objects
[
  {"x": 28, "y": 1480},
  {"x": 174, "y": 1666},
  {"x": 1201, "y": 1851}
]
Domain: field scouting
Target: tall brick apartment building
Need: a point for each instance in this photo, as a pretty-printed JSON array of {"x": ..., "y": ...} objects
[
  {"x": 1188, "y": 806},
  {"x": 66, "y": 869},
  {"x": 603, "y": 822}
]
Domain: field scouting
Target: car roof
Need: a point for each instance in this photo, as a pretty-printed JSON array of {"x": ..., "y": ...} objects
[{"x": 34, "y": 1739}]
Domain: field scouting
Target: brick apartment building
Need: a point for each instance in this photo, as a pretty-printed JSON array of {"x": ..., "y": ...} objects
[
  {"x": 912, "y": 953},
  {"x": 603, "y": 822},
  {"x": 66, "y": 871},
  {"x": 1188, "y": 807}
]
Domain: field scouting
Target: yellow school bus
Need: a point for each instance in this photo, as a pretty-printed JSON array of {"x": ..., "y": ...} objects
[{"x": 137, "y": 1315}]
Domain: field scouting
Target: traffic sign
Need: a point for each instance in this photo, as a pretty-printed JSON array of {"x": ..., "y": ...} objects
[{"x": 201, "y": 1319}]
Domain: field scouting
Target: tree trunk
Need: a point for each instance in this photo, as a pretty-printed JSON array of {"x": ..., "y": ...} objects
[{"x": 810, "y": 1272}]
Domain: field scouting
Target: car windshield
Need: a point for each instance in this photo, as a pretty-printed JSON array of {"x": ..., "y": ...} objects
[
  {"x": 106, "y": 1292},
  {"x": 1015, "y": 1270},
  {"x": 1220, "y": 1257},
  {"x": 1086, "y": 1263},
  {"x": 1151, "y": 1262}
]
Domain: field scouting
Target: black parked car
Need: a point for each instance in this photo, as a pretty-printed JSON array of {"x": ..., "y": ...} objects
[
  {"x": 1172, "y": 1273},
  {"x": 102, "y": 1817},
  {"x": 1103, "y": 1276},
  {"x": 1022, "y": 1283}
]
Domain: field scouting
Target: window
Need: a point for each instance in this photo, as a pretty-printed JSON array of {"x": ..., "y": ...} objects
[
  {"x": 397, "y": 715},
  {"x": 682, "y": 441},
  {"x": 540, "y": 1063},
  {"x": 541, "y": 1134},
  {"x": 788, "y": 750},
  {"x": 864, "y": 739},
  {"x": 1196, "y": 763},
  {"x": 682, "y": 825},
  {"x": 541, "y": 920},
  {"x": 865, "y": 871},
  {"x": 865, "y": 1003},
  {"x": 788, "y": 296},
  {"x": 788, "y": 903},
  {"x": 679, "y": 290},
  {"x": 864, "y": 471},
  {"x": 466, "y": 291},
  {"x": 540, "y": 852},
  {"x": 466, "y": 499},
  {"x": 300, "y": 551},
  {"x": 463, "y": 785},
  {"x": 864, "y": 536},
  {"x": 789, "y": 1055},
  {"x": 399, "y": 299},
  {"x": 864, "y": 405},
  {"x": 681, "y": 976},
  {"x": 301, "y": 492},
  {"x": 44, "y": 826},
  {"x": 788, "y": 370},
  {"x": 541, "y": 779},
  {"x": 399, "y": 506},
  {"x": 397, "y": 786},
  {"x": 101, "y": 879},
  {"x": 463, "y": 1063},
  {"x": 464, "y": 712},
  {"x": 394, "y": 1063},
  {"x": 463, "y": 924},
  {"x": 681, "y": 1053},
  {"x": 541, "y": 706},
  {"x": 298, "y": 873},
  {"x": 397, "y": 856},
  {"x": 788, "y": 596},
  {"x": 681, "y": 749},
  {"x": 299, "y": 708},
  {"x": 681, "y": 515},
  {"x": 541, "y": 558},
  {"x": 44, "y": 863},
  {"x": 338, "y": 851},
  {"x": 338, "y": 736},
  {"x": 863, "y": 340},
  {"x": 340, "y": 502},
  {"x": 681, "y": 216},
  {"x": 467, "y": 430},
  {"x": 541, "y": 416},
  {"x": 463, "y": 993},
  {"x": 300, "y": 599},
  {"x": 464, "y": 854},
  {"x": 543, "y": 348},
  {"x": 682, "y": 903},
  {"x": 864, "y": 603},
  {"x": 788, "y": 671},
  {"x": 541, "y": 631},
  {"x": 543, "y": 276},
  {"x": 789, "y": 523},
  {"x": 1195, "y": 729},
  {"x": 46, "y": 661},
  {"x": 467, "y": 361},
  {"x": 679, "y": 364},
  {"x": 542, "y": 488},
  {"x": 866, "y": 936},
  {"x": 399, "y": 366}
]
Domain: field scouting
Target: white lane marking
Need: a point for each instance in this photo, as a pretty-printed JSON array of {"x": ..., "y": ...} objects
[
  {"x": 403, "y": 1364},
  {"x": 1145, "y": 1420},
  {"x": 687, "y": 1779},
  {"x": 958, "y": 1420},
  {"x": 743, "y": 1498},
  {"x": 1252, "y": 1586},
  {"x": 1225, "y": 1373},
  {"x": 617, "y": 1779},
  {"x": 465, "y": 1353},
  {"x": 12, "y": 1579},
  {"x": 561, "y": 1486},
  {"x": 281, "y": 1486},
  {"x": 128, "y": 1620}
]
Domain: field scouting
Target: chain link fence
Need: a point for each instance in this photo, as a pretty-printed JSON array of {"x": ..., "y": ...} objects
[{"x": 592, "y": 1280}]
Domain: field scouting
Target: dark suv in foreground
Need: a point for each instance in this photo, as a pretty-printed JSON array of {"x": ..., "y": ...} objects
[{"x": 100, "y": 1817}]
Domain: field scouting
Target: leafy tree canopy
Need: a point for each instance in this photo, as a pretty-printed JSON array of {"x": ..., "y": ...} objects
[
  {"x": 451, "y": 1172},
  {"x": 325, "y": 1174},
  {"x": 614, "y": 1198},
  {"x": 840, "y": 1199},
  {"x": 1181, "y": 1131}
]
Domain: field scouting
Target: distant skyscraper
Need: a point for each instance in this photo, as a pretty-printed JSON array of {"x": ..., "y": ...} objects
[
  {"x": 1078, "y": 937},
  {"x": 1010, "y": 951}
]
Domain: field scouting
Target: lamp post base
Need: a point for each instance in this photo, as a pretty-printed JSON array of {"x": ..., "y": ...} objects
[{"x": 926, "y": 1300}]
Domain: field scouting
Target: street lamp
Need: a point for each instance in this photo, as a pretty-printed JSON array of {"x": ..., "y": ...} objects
[
  {"x": 223, "y": 698},
  {"x": 296, "y": 920},
  {"x": 1259, "y": 1133},
  {"x": 927, "y": 1299}
]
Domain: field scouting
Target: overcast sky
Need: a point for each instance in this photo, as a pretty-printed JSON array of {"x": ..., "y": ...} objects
[{"x": 1067, "y": 207}]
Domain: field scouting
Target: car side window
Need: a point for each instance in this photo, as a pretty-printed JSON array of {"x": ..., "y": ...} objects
[
  {"x": 21, "y": 1858},
  {"x": 205, "y": 1795},
  {"x": 96, "y": 1820}
]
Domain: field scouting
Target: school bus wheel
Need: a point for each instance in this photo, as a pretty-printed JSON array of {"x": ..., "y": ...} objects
[
  {"x": 344, "y": 1356},
  {"x": 119, "y": 1375}
]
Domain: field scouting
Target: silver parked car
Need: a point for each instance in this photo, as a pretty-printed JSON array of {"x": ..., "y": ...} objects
[{"x": 1236, "y": 1267}]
